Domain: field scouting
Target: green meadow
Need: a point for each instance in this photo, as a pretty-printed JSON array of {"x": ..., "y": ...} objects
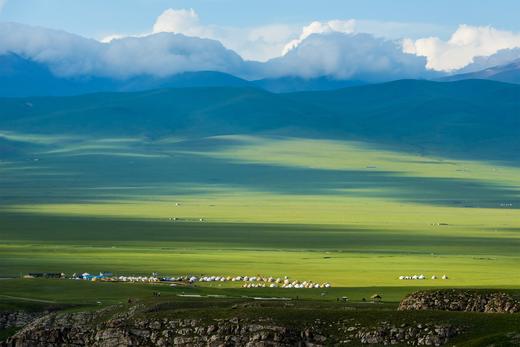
[{"x": 351, "y": 213}]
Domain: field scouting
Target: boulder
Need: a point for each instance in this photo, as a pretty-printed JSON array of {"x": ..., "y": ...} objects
[{"x": 460, "y": 300}]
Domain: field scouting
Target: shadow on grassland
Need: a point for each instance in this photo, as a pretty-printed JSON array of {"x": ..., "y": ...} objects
[
  {"x": 96, "y": 177},
  {"x": 30, "y": 229}
]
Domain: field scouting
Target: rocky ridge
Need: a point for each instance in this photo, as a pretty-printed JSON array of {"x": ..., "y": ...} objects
[
  {"x": 460, "y": 300},
  {"x": 158, "y": 325},
  {"x": 428, "y": 334},
  {"x": 18, "y": 319},
  {"x": 92, "y": 329}
]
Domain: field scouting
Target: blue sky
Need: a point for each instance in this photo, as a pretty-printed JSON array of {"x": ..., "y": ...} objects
[
  {"x": 97, "y": 18},
  {"x": 339, "y": 38}
]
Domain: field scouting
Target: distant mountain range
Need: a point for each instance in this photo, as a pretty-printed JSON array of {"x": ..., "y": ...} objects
[
  {"x": 509, "y": 73},
  {"x": 22, "y": 77},
  {"x": 473, "y": 118},
  {"x": 469, "y": 114}
]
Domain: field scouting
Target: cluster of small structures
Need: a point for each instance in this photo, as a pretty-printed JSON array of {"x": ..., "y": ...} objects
[
  {"x": 262, "y": 282},
  {"x": 248, "y": 281},
  {"x": 177, "y": 219},
  {"x": 103, "y": 276},
  {"x": 109, "y": 277},
  {"x": 421, "y": 277},
  {"x": 45, "y": 275}
]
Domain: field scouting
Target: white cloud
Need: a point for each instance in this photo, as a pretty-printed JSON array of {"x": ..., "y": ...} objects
[
  {"x": 271, "y": 41},
  {"x": 399, "y": 30},
  {"x": 502, "y": 57},
  {"x": 316, "y": 27},
  {"x": 166, "y": 54},
  {"x": 263, "y": 43},
  {"x": 464, "y": 45},
  {"x": 329, "y": 53},
  {"x": 348, "y": 56},
  {"x": 2, "y": 4},
  {"x": 256, "y": 43},
  {"x": 160, "y": 54},
  {"x": 338, "y": 48},
  {"x": 110, "y": 38},
  {"x": 180, "y": 22},
  {"x": 65, "y": 53}
]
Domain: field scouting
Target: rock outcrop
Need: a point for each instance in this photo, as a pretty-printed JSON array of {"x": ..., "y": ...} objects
[
  {"x": 132, "y": 328},
  {"x": 460, "y": 300},
  {"x": 18, "y": 319},
  {"x": 82, "y": 329},
  {"x": 414, "y": 334}
]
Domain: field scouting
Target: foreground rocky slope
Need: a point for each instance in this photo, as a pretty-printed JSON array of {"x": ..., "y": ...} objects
[
  {"x": 242, "y": 322},
  {"x": 461, "y": 300},
  {"x": 131, "y": 328},
  {"x": 18, "y": 319},
  {"x": 80, "y": 329}
]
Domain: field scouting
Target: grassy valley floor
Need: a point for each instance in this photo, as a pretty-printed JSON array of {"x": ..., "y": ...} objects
[
  {"x": 324, "y": 210},
  {"x": 348, "y": 213}
]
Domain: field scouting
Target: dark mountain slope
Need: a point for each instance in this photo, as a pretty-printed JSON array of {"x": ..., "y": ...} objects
[
  {"x": 21, "y": 77},
  {"x": 473, "y": 118},
  {"x": 508, "y": 73},
  {"x": 182, "y": 80},
  {"x": 154, "y": 113},
  {"x": 298, "y": 84}
]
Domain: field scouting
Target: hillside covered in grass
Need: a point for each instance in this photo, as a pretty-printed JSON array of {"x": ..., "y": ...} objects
[
  {"x": 468, "y": 119},
  {"x": 355, "y": 187}
]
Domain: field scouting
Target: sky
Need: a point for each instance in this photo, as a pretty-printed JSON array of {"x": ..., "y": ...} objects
[
  {"x": 289, "y": 37},
  {"x": 96, "y": 18}
]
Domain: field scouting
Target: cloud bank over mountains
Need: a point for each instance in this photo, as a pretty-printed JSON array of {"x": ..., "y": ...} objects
[
  {"x": 256, "y": 43},
  {"x": 325, "y": 53},
  {"x": 465, "y": 45},
  {"x": 348, "y": 56},
  {"x": 179, "y": 42},
  {"x": 158, "y": 55},
  {"x": 333, "y": 26}
]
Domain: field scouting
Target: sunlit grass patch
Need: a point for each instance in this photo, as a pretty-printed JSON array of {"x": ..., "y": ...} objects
[{"x": 342, "y": 211}]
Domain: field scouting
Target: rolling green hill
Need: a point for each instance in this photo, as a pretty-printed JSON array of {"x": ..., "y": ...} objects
[
  {"x": 474, "y": 118},
  {"x": 478, "y": 119},
  {"x": 356, "y": 186}
]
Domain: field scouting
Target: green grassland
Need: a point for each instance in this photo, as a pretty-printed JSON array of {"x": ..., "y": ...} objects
[
  {"x": 207, "y": 303},
  {"x": 40, "y": 293},
  {"x": 350, "y": 213}
]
